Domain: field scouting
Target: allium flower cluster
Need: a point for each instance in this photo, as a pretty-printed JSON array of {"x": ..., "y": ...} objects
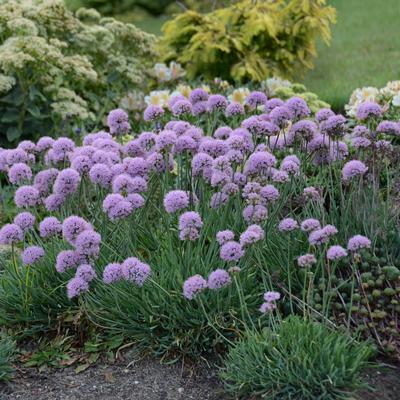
[
  {"x": 306, "y": 260},
  {"x": 135, "y": 271},
  {"x": 231, "y": 251},
  {"x": 353, "y": 169},
  {"x": 358, "y": 242},
  {"x": 118, "y": 122},
  {"x": 32, "y": 254},
  {"x": 190, "y": 224},
  {"x": 218, "y": 279},
  {"x": 194, "y": 286},
  {"x": 176, "y": 200},
  {"x": 270, "y": 299}
]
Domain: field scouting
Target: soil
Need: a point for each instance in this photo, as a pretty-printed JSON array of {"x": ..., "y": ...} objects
[{"x": 149, "y": 380}]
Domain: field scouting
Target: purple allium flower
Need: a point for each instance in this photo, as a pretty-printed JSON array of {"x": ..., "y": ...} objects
[
  {"x": 239, "y": 178},
  {"x": 272, "y": 296},
  {"x": 240, "y": 140},
  {"x": 307, "y": 260},
  {"x": 25, "y": 221},
  {"x": 298, "y": 107},
  {"x": 81, "y": 164},
  {"x": 152, "y": 112},
  {"x": 134, "y": 270},
  {"x": 197, "y": 95},
  {"x": 63, "y": 145},
  {"x": 383, "y": 146},
  {"x": 255, "y": 213},
  {"x": 368, "y": 110},
  {"x": 273, "y": 103},
  {"x": 185, "y": 143},
  {"x": 352, "y": 169},
  {"x": 16, "y": 156},
  {"x": 123, "y": 184},
  {"x": 118, "y": 122},
  {"x": 134, "y": 149},
  {"x": 335, "y": 253},
  {"x": 176, "y": 200},
  {"x": 190, "y": 233},
  {"x": 136, "y": 200},
  {"x": 312, "y": 193},
  {"x": 234, "y": 109},
  {"x": 67, "y": 182},
  {"x": 288, "y": 225},
  {"x": 267, "y": 306},
  {"x": 323, "y": 114},
  {"x": 361, "y": 130},
  {"x": 225, "y": 236},
  {"x": 28, "y": 146},
  {"x": 54, "y": 202},
  {"x": 112, "y": 273},
  {"x": 44, "y": 180},
  {"x": 199, "y": 108},
  {"x": 213, "y": 147},
  {"x": 10, "y": 234},
  {"x": 19, "y": 173},
  {"x": 334, "y": 126},
  {"x": 146, "y": 140},
  {"x": 87, "y": 243},
  {"x": 389, "y": 128},
  {"x": 329, "y": 230},
  {"x": 304, "y": 129},
  {"x": 218, "y": 279},
  {"x": 259, "y": 162},
  {"x": 291, "y": 165},
  {"x": 73, "y": 226},
  {"x": 100, "y": 174},
  {"x": 44, "y": 143},
  {"x": 85, "y": 272},
  {"x": 360, "y": 142},
  {"x": 190, "y": 219},
  {"x": 179, "y": 127},
  {"x": 121, "y": 210},
  {"x": 218, "y": 199},
  {"x": 310, "y": 224},
  {"x": 358, "y": 242},
  {"x": 269, "y": 193},
  {"x": 165, "y": 140},
  {"x": 32, "y": 254},
  {"x": 66, "y": 259},
  {"x": 231, "y": 251},
  {"x": 223, "y": 132},
  {"x": 216, "y": 102},
  {"x": 76, "y": 286},
  {"x": 253, "y": 234},
  {"x": 230, "y": 189},
  {"x": 256, "y": 99},
  {"x": 181, "y": 107},
  {"x": 321, "y": 236},
  {"x": 136, "y": 166},
  {"x": 194, "y": 286},
  {"x": 26, "y": 196},
  {"x": 50, "y": 226},
  {"x": 280, "y": 116}
]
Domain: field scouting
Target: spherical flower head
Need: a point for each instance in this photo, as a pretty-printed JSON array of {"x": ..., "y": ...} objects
[
  {"x": 85, "y": 272},
  {"x": 360, "y": 142},
  {"x": 118, "y": 122},
  {"x": 323, "y": 114},
  {"x": 63, "y": 145},
  {"x": 121, "y": 210},
  {"x": 136, "y": 166},
  {"x": 334, "y": 126},
  {"x": 368, "y": 110},
  {"x": 100, "y": 174},
  {"x": 290, "y": 166},
  {"x": 310, "y": 224},
  {"x": 267, "y": 307},
  {"x": 199, "y": 108},
  {"x": 311, "y": 193},
  {"x": 225, "y": 236},
  {"x": 358, "y": 242},
  {"x": 152, "y": 113},
  {"x": 223, "y": 132},
  {"x": 269, "y": 193},
  {"x": 194, "y": 286},
  {"x": 383, "y": 146},
  {"x": 234, "y": 109},
  {"x": 76, "y": 286},
  {"x": 190, "y": 219},
  {"x": 335, "y": 253},
  {"x": 256, "y": 99},
  {"x": 280, "y": 116},
  {"x": 32, "y": 254},
  {"x": 198, "y": 95},
  {"x": 50, "y": 226},
  {"x": 25, "y": 221},
  {"x": 213, "y": 147},
  {"x": 112, "y": 273},
  {"x": 66, "y": 259},
  {"x": 389, "y": 128},
  {"x": 81, "y": 164},
  {"x": 19, "y": 173},
  {"x": 253, "y": 234},
  {"x": 306, "y": 260},
  {"x": 16, "y": 156},
  {"x": 304, "y": 129},
  {"x": 353, "y": 169},
  {"x": 216, "y": 102},
  {"x": 184, "y": 144},
  {"x": 329, "y": 230},
  {"x": 280, "y": 177},
  {"x": 165, "y": 140},
  {"x": 298, "y": 107},
  {"x": 255, "y": 214},
  {"x": 10, "y": 234},
  {"x": 259, "y": 162},
  {"x": 26, "y": 196},
  {"x": 136, "y": 200},
  {"x": 54, "y": 202},
  {"x": 72, "y": 227},
  {"x": 218, "y": 279},
  {"x": 231, "y": 251},
  {"x": 176, "y": 200},
  {"x": 321, "y": 236},
  {"x": 181, "y": 107},
  {"x": 272, "y": 296},
  {"x": 87, "y": 243},
  {"x": 135, "y": 271},
  {"x": 67, "y": 182},
  {"x": 44, "y": 143},
  {"x": 273, "y": 103},
  {"x": 288, "y": 225}
]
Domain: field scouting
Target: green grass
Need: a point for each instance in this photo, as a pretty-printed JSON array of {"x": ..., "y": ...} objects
[{"x": 365, "y": 50}]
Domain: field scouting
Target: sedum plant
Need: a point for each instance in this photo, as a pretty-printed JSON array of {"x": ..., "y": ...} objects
[
  {"x": 59, "y": 69},
  {"x": 250, "y": 40}
]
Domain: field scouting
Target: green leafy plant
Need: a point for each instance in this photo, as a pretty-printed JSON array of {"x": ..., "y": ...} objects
[
  {"x": 250, "y": 40},
  {"x": 59, "y": 69},
  {"x": 7, "y": 355},
  {"x": 297, "y": 359}
]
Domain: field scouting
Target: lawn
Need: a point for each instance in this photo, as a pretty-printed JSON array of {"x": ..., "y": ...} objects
[{"x": 365, "y": 49}]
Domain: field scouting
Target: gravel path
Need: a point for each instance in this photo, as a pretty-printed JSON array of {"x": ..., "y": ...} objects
[{"x": 145, "y": 380}]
